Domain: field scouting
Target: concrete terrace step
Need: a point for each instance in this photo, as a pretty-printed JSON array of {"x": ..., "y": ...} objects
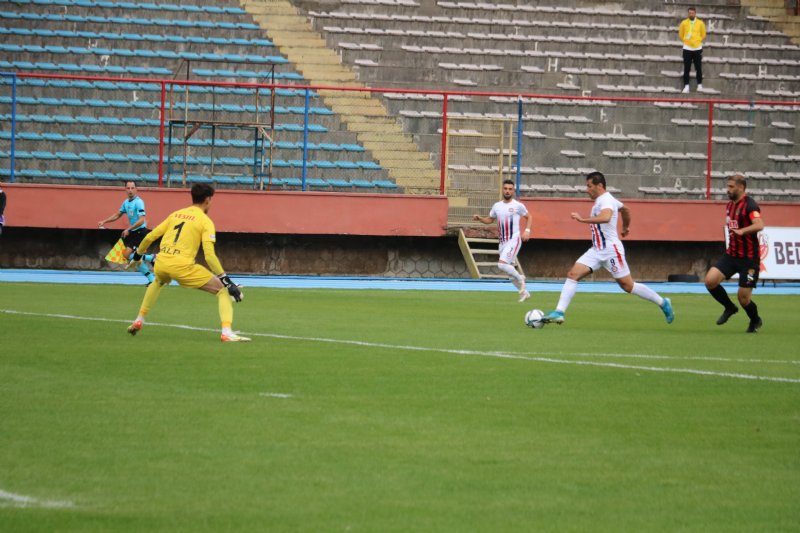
[{"x": 290, "y": 31}]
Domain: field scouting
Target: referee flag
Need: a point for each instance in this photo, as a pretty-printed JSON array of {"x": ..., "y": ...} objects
[{"x": 115, "y": 254}]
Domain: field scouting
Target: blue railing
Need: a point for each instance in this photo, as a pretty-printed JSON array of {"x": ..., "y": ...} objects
[{"x": 13, "y": 151}]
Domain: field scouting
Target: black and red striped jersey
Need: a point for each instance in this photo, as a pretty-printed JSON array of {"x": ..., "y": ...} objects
[{"x": 740, "y": 214}]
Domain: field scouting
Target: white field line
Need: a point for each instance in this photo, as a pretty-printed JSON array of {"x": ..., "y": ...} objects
[
  {"x": 9, "y": 499},
  {"x": 674, "y": 358},
  {"x": 275, "y": 394},
  {"x": 500, "y": 355}
]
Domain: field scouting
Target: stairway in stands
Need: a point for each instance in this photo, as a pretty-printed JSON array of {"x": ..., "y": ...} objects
[
  {"x": 777, "y": 13},
  {"x": 361, "y": 112}
]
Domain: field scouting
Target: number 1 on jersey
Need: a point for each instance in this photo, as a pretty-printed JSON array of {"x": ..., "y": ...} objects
[{"x": 178, "y": 229}]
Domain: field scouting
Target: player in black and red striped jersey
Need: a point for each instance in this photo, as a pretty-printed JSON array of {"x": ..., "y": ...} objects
[{"x": 743, "y": 220}]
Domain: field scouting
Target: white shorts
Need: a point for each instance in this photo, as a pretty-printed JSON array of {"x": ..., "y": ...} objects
[
  {"x": 612, "y": 259},
  {"x": 510, "y": 249}
]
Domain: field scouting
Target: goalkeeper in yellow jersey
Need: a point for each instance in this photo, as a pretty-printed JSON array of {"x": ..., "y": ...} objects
[{"x": 182, "y": 234}]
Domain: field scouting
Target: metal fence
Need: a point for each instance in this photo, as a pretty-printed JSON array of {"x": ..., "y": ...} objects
[{"x": 269, "y": 136}]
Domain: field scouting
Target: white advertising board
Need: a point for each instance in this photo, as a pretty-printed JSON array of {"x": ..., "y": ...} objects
[
  {"x": 779, "y": 248},
  {"x": 780, "y": 253}
]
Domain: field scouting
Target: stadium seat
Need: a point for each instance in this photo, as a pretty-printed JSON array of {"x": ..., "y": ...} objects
[
  {"x": 385, "y": 184},
  {"x": 339, "y": 183},
  {"x": 362, "y": 184}
]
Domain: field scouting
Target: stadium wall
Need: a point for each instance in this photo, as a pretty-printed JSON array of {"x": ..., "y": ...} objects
[{"x": 52, "y": 226}]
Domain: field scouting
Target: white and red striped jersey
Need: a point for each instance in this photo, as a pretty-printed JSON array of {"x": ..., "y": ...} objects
[
  {"x": 605, "y": 235},
  {"x": 508, "y": 215}
]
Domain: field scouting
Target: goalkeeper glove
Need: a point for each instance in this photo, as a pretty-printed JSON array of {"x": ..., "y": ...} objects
[{"x": 233, "y": 289}]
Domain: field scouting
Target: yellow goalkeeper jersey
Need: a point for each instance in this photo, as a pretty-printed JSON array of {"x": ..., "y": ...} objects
[{"x": 182, "y": 234}]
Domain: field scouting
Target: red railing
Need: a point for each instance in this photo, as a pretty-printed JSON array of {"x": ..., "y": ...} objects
[{"x": 446, "y": 95}]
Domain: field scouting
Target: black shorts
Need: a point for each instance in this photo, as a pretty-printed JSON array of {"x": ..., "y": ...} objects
[
  {"x": 746, "y": 268},
  {"x": 134, "y": 238}
]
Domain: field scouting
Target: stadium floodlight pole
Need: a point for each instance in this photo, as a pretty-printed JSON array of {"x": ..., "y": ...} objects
[
  {"x": 444, "y": 145},
  {"x": 305, "y": 139},
  {"x": 519, "y": 142},
  {"x": 708, "y": 157},
  {"x": 161, "y": 135}
]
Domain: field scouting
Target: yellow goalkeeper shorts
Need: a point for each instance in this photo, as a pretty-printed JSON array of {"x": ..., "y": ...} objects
[{"x": 191, "y": 276}]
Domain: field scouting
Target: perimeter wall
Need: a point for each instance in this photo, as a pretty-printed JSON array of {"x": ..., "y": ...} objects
[{"x": 308, "y": 233}]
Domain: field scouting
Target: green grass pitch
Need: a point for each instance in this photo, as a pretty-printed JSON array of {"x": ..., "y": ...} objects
[{"x": 394, "y": 411}]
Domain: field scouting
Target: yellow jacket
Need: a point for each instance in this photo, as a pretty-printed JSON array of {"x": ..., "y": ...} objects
[{"x": 692, "y": 37}]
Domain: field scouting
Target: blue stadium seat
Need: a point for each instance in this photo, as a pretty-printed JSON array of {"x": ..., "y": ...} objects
[
  {"x": 68, "y": 156},
  {"x": 224, "y": 180},
  {"x": 135, "y": 121},
  {"x": 31, "y": 173},
  {"x": 118, "y": 104},
  {"x": 316, "y": 182},
  {"x": 339, "y": 183},
  {"x": 293, "y": 182},
  {"x": 81, "y": 175},
  {"x": 363, "y": 184},
  {"x": 145, "y": 53},
  {"x": 56, "y": 174},
  {"x": 105, "y": 176},
  {"x": 353, "y": 148},
  {"x": 139, "y": 158},
  {"x": 122, "y": 52},
  {"x": 115, "y": 157},
  {"x": 27, "y": 135},
  {"x": 385, "y": 184},
  {"x": 232, "y": 161},
  {"x": 328, "y": 147}
]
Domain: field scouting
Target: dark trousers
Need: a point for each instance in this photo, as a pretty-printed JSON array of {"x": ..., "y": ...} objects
[{"x": 689, "y": 57}]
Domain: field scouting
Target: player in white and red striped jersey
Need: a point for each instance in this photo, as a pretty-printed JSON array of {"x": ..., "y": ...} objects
[
  {"x": 606, "y": 251},
  {"x": 510, "y": 214}
]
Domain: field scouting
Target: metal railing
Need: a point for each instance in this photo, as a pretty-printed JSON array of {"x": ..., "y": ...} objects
[{"x": 379, "y": 106}]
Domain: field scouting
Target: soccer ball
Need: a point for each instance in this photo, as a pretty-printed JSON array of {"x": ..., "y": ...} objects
[{"x": 533, "y": 318}]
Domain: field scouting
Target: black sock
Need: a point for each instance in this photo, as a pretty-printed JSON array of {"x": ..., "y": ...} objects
[
  {"x": 722, "y": 297},
  {"x": 752, "y": 310}
]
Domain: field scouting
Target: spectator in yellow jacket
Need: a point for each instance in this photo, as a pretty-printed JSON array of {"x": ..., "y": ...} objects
[{"x": 692, "y": 32}]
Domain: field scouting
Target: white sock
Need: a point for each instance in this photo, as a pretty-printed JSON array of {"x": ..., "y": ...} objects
[
  {"x": 516, "y": 278},
  {"x": 140, "y": 318},
  {"x": 567, "y": 292},
  {"x": 643, "y": 291},
  {"x": 227, "y": 331}
]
